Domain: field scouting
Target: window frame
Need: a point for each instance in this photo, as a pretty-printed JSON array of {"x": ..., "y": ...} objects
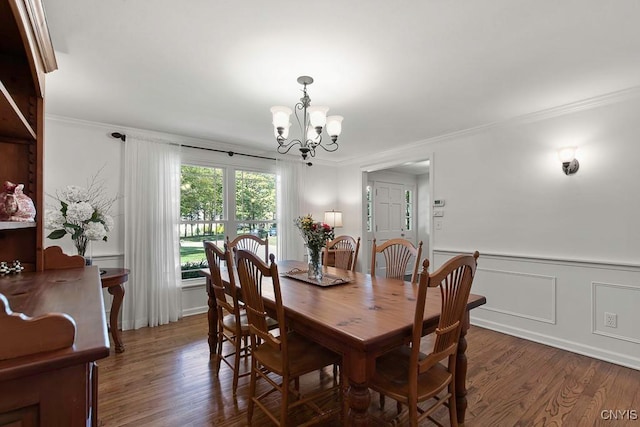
[{"x": 229, "y": 165}]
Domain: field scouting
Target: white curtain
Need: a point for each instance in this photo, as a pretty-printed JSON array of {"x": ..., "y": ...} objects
[
  {"x": 152, "y": 213},
  {"x": 290, "y": 176}
]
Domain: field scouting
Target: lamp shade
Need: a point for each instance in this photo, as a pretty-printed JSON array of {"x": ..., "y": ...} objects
[
  {"x": 281, "y": 116},
  {"x": 333, "y": 218},
  {"x": 318, "y": 116},
  {"x": 334, "y": 125}
]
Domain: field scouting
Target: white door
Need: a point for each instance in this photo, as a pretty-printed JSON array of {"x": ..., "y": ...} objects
[
  {"x": 390, "y": 216},
  {"x": 388, "y": 211}
]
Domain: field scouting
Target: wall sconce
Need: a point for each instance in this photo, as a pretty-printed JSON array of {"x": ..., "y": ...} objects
[
  {"x": 567, "y": 156},
  {"x": 333, "y": 218}
]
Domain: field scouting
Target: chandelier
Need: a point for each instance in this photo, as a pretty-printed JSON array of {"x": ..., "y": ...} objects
[{"x": 314, "y": 119}]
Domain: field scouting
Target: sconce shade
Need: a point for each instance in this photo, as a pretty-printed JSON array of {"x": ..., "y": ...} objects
[
  {"x": 567, "y": 154},
  {"x": 333, "y": 218}
]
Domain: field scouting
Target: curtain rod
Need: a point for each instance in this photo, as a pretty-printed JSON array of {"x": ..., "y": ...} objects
[{"x": 123, "y": 138}]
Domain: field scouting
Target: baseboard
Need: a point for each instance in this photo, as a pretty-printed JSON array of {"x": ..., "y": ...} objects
[{"x": 192, "y": 311}]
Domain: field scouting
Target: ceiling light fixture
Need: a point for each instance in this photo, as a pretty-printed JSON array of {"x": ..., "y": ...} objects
[{"x": 313, "y": 121}]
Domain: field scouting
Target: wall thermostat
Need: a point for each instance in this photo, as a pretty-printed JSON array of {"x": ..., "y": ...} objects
[{"x": 438, "y": 203}]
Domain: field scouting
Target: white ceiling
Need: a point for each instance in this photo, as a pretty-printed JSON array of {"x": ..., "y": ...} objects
[{"x": 398, "y": 71}]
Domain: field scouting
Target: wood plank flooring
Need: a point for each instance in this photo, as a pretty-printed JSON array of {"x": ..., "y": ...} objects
[{"x": 164, "y": 378}]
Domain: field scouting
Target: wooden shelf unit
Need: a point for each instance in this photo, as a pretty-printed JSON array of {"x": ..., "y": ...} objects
[{"x": 26, "y": 54}]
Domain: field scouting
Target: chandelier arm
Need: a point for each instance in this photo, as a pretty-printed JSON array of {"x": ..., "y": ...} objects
[
  {"x": 313, "y": 142},
  {"x": 331, "y": 147},
  {"x": 300, "y": 106},
  {"x": 286, "y": 147}
]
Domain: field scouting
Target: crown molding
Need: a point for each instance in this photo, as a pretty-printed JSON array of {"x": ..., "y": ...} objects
[{"x": 408, "y": 151}]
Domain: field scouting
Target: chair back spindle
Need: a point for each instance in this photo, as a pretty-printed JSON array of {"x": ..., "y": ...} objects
[
  {"x": 345, "y": 250},
  {"x": 397, "y": 254}
]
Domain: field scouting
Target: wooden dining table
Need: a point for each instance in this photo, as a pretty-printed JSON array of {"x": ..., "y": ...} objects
[{"x": 361, "y": 320}]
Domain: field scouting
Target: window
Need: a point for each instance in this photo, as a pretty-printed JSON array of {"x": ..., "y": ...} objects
[
  {"x": 202, "y": 204},
  {"x": 216, "y": 202},
  {"x": 408, "y": 216},
  {"x": 369, "y": 209},
  {"x": 255, "y": 203}
]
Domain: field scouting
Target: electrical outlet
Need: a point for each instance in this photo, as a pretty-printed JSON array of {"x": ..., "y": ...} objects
[{"x": 610, "y": 320}]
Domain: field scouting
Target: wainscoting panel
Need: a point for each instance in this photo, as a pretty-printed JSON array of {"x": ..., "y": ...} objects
[
  {"x": 559, "y": 302},
  {"x": 530, "y": 296},
  {"x": 605, "y": 299}
]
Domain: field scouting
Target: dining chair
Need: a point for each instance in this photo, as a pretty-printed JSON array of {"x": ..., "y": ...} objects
[
  {"x": 345, "y": 252},
  {"x": 250, "y": 243},
  {"x": 55, "y": 259},
  {"x": 397, "y": 254},
  {"x": 233, "y": 327},
  {"x": 288, "y": 356},
  {"x": 411, "y": 377}
]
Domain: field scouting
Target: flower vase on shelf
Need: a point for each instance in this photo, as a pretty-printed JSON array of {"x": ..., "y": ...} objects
[{"x": 315, "y": 263}]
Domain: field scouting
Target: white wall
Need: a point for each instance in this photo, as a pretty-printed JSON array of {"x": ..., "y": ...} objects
[
  {"x": 556, "y": 251},
  {"x": 321, "y": 190},
  {"x": 73, "y": 153}
]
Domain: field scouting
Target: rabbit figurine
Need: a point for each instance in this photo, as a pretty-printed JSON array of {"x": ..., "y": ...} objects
[{"x": 15, "y": 205}]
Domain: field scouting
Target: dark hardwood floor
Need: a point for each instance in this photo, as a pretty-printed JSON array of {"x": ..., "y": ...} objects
[{"x": 164, "y": 379}]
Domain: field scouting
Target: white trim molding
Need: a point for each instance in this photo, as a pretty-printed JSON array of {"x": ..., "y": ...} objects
[
  {"x": 552, "y": 309},
  {"x": 595, "y": 314},
  {"x": 519, "y": 288}
]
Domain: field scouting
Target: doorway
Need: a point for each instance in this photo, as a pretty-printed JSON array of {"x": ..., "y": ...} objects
[{"x": 397, "y": 204}]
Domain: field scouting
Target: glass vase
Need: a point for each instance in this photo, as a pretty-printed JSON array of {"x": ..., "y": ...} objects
[
  {"x": 82, "y": 243},
  {"x": 315, "y": 263}
]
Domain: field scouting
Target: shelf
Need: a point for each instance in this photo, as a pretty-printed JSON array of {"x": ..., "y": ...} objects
[
  {"x": 14, "y": 225},
  {"x": 13, "y": 121}
]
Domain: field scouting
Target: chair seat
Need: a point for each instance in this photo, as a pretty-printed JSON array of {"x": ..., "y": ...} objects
[
  {"x": 229, "y": 322},
  {"x": 304, "y": 356},
  {"x": 392, "y": 375}
]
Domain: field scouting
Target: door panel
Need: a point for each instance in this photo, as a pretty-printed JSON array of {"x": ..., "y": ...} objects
[
  {"x": 388, "y": 210},
  {"x": 388, "y": 217}
]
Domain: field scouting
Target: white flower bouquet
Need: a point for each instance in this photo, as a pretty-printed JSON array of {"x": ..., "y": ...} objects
[{"x": 83, "y": 213}]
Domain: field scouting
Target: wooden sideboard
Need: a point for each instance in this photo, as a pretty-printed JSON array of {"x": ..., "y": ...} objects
[
  {"x": 57, "y": 387},
  {"x": 26, "y": 54}
]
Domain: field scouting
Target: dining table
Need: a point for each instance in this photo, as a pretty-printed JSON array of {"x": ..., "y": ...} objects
[{"x": 361, "y": 318}]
